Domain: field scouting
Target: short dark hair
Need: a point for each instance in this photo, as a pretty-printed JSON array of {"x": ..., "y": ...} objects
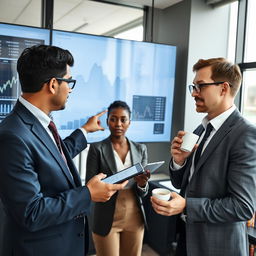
[
  {"x": 119, "y": 104},
  {"x": 222, "y": 70},
  {"x": 38, "y": 63}
]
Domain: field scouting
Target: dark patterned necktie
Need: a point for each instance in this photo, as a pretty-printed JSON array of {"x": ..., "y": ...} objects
[
  {"x": 56, "y": 136},
  {"x": 201, "y": 145}
]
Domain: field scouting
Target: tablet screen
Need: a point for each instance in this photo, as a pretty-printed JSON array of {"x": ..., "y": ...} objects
[{"x": 124, "y": 174}]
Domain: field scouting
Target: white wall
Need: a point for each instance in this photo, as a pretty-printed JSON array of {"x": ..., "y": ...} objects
[{"x": 208, "y": 38}]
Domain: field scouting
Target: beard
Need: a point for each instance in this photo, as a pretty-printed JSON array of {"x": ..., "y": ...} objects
[{"x": 58, "y": 103}]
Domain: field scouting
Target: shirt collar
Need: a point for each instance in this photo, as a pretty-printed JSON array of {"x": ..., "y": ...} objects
[
  {"x": 218, "y": 120},
  {"x": 38, "y": 113}
]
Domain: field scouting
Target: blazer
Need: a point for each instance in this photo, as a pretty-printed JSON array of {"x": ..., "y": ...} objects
[
  {"x": 44, "y": 205},
  {"x": 101, "y": 159},
  {"x": 221, "y": 194}
]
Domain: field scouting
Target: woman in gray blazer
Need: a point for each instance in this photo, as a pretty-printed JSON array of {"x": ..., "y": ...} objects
[{"x": 118, "y": 224}]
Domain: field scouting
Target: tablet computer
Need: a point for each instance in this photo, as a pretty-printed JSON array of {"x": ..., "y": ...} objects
[
  {"x": 153, "y": 166},
  {"x": 125, "y": 174}
]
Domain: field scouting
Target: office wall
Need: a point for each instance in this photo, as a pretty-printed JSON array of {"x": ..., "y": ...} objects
[
  {"x": 198, "y": 31},
  {"x": 171, "y": 26},
  {"x": 208, "y": 37}
]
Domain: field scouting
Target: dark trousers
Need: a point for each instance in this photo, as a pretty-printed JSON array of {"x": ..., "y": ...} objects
[{"x": 181, "y": 249}]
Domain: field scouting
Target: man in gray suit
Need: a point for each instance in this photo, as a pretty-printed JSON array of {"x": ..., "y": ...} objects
[{"x": 218, "y": 179}]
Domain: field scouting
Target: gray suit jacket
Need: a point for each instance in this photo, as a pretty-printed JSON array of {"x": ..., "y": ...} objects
[
  {"x": 222, "y": 191},
  {"x": 101, "y": 159}
]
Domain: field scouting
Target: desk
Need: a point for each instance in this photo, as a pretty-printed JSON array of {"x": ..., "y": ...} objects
[{"x": 162, "y": 229}]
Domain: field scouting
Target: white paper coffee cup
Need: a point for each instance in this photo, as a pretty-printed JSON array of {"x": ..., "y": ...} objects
[
  {"x": 189, "y": 141},
  {"x": 161, "y": 193}
]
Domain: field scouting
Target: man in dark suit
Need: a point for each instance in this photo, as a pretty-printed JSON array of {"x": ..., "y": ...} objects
[
  {"x": 45, "y": 204},
  {"x": 218, "y": 179}
]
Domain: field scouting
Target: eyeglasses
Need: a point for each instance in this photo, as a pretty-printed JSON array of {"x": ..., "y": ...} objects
[
  {"x": 71, "y": 82},
  {"x": 197, "y": 87}
]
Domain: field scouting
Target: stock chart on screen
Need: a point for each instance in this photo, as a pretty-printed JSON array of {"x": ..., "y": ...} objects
[{"x": 11, "y": 46}]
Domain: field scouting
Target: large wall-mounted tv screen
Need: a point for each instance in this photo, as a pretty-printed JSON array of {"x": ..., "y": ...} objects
[
  {"x": 108, "y": 69},
  {"x": 13, "y": 40}
]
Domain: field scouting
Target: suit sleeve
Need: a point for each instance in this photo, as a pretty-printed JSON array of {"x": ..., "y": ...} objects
[
  {"x": 177, "y": 175},
  {"x": 75, "y": 143},
  {"x": 21, "y": 191},
  {"x": 238, "y": 202},
  {"x": 144, "y": 151},
  {"x": 144, "y": 162}
]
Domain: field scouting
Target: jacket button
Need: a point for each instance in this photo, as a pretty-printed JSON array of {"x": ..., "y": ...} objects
[{"x": 81, "y": 234}]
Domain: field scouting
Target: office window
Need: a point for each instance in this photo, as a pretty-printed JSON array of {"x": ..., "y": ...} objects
[
  {"x": 232, "y": 31},
  {"x": 246, "y": 57},
  {"x": 132, "y": 34},
  {"x": 250, "y": 42},
  {"x": 249, "y": 95},
  {"x": 23, "y": 12},
  {"x": 94, "y": 17}
]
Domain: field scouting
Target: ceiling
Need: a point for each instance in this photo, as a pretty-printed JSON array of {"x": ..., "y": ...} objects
[{"x": 94, "y": 17}]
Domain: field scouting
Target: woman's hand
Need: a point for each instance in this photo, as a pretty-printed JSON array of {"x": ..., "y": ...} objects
[{"x": 142, "y": 179}]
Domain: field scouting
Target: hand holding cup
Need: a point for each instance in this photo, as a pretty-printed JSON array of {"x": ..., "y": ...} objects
[
  {"x": 189, "y": 141},
  {"x": 162, "y": 193}
]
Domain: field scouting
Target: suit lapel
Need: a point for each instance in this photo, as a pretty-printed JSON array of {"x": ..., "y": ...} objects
[
  {"x": 108, "y": 155},
  {"x": 72, "y": 167},
  {"x": 41, "y": 134},
  {"x": 135, "y": 157}
]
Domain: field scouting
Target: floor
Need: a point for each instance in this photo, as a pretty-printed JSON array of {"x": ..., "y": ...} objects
[{"x": 148, "y": 251}]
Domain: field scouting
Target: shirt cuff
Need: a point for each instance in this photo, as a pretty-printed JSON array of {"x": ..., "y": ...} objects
[
  {"x": 176, "y": 167},
  {"x": 143, "y": 189}
]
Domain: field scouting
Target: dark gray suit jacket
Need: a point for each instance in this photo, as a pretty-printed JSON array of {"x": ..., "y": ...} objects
[
  {"x": 222, "y": 191},
  {"x": 101, "y": 159}
]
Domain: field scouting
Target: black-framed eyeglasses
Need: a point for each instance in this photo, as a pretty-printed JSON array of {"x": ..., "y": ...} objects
[
  {"x": 197, "y": 87},
  {"x": 71, "y": 82}
]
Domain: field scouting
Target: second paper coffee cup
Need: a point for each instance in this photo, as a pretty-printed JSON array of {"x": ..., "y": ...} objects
[{"x": 189, "y": 141}]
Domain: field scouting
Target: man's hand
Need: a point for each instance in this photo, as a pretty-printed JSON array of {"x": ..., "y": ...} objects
[
  {"x": 93, "y": 123},
  {"x": 142, "y": 179},
  {"x": 101, "y": 191},
  {"x": 177, "y": 154},
  {"x": 175, "y": 206}
]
